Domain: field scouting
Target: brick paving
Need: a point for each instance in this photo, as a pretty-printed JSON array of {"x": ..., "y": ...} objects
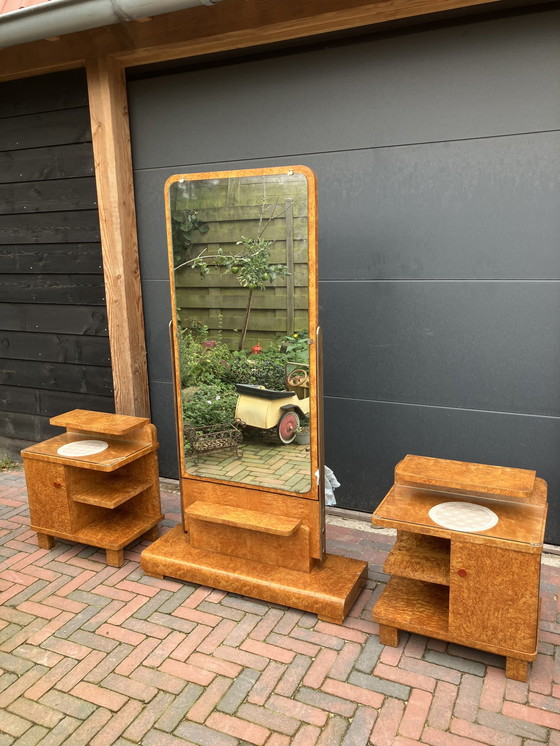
[
  {"x": 286, "y": 467},
  {"x": 91, "y": 654}
]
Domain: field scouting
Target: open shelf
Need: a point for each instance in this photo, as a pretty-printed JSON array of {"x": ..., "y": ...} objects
[
  {"x": 253, "y": 520},
  {"x": 420, "y": 557},
  {"x": 117, "y": 529},
  {"x": 98, "y": 422},
  {"x": 110, "y": 491},
  {"x": 119, "y": 452},
  {"x": 414, "y": 605}
]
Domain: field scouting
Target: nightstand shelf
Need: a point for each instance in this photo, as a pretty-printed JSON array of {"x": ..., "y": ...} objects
[
  {"x": 105, "y": 499},
  {"x": 110, "y": 493},
  {"x": 420, "y": 557}
]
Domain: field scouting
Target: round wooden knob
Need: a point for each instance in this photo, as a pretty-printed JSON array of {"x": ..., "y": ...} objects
[
  {"x": 462, "y": 573},
  {"x": 57, "y": 484}
]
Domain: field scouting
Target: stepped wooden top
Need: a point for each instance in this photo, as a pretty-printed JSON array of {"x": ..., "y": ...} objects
[
  {"x": 254, "y": 520},
  {"x": 520, "y": 522},
  {"x": 464, "y": 477},
  {"x": 98, "y": 422}
]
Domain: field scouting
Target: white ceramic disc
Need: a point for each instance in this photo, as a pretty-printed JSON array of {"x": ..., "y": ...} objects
[
  {"x": 82, "y": 448},
  {"x": 463, "y": 516}
]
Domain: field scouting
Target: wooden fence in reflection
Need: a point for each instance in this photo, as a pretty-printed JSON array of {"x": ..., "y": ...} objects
[{"x": 218, "y": 300}]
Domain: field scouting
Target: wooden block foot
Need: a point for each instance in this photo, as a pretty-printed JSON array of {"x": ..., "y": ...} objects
[
  {"x": 516, "y": 669},
  {"x": 152, "y": 534},
  {"x": 45, "y": 541},
  {"x": 115, "y": 557},
  {"x": 153, "y": 575},
  {"x": 388, "y": 636}
]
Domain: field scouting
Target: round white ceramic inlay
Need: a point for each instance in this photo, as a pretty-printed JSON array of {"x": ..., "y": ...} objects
[
  {"x": 82, "y": 448},
  {"x": 463, "y": 516}
]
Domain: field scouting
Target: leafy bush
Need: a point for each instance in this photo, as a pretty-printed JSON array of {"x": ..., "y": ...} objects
[
  {"x": 296, "y": 347},
  {"x": 202, "y": 362},
  {"x": 212, "y": 404},
  {"x": 265, "y": 369}
]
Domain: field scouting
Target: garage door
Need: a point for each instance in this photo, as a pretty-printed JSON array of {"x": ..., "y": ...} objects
[{"x": 437, "y": 154}]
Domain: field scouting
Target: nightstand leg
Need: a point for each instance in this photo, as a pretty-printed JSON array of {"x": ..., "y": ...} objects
[
  {"x": 516, "y": 669},
  {"x": 115, "y": 557},
  {"x": 45, "y": 541},
  {"x": 388, "y": 636},
  {"x": 152, "y": 534}
]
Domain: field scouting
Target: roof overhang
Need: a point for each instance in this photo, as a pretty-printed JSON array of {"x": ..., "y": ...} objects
[{"x": 58, "y": 17}]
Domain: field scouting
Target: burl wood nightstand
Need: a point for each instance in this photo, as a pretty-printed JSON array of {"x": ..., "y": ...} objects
[
  {"x": 105, "y": 499},
  {"x": 478, "y": 588}
]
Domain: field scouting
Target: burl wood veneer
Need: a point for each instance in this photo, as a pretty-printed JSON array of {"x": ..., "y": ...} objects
[
  {"x": 475, "y": 589},
  {"x": 267, "y": 543},
  {"x": 107, "y": 499}
]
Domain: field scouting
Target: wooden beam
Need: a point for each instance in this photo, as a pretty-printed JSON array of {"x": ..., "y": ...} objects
[
  {"x": 233, "y": 24},
  {"x": 117, "y": 216}
]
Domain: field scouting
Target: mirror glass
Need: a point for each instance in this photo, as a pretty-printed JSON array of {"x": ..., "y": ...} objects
[{"x": 239, "y": 247}]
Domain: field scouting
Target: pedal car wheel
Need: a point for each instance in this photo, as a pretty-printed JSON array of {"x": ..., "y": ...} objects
[{"x": 287, "y": 426}]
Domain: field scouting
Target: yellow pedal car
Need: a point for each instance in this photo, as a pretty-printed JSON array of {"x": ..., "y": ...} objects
[{"x": 275, "y": 412}]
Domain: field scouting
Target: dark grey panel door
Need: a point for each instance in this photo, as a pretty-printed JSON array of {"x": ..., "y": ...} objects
[{"x": 438, "y": 160}]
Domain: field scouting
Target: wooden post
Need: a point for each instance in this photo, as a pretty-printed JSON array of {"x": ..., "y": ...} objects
[{"x": 117, "y": 215}]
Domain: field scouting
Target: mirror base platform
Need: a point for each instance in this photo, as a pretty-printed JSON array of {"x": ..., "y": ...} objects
[{"x": 328, "y": 590}]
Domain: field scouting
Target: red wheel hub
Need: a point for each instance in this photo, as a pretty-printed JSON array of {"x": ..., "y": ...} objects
[{"x": 287, "y": 427}]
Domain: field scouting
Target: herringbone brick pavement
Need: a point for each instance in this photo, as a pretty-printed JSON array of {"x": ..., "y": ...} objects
[{"x": 91, "y": 654}]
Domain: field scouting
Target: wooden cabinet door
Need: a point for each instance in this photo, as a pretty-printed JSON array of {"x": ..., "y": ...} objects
[{"x": 494, "y": 596}]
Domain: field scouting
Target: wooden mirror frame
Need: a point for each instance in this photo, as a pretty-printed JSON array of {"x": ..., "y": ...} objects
[{"x": 315, "y": 373}]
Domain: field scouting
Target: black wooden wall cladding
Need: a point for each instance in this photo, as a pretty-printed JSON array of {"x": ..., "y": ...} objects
[{"x": 54, "y": 347}]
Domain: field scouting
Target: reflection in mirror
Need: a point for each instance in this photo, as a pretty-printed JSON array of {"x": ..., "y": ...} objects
[{"x": 239, "y": 246}]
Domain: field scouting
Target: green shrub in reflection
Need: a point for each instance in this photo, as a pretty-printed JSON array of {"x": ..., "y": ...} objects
[
  {"x": 210, "y": 404},
  {"x": 209, "y": 371}
]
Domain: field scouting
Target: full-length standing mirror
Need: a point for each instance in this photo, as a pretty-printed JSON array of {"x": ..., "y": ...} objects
[{"x": 246, "y": 361}]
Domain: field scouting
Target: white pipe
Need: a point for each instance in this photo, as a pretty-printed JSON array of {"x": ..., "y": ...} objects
[{"x": 58, "y": 17}]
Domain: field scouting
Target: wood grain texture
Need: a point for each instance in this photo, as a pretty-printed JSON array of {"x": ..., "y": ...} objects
[
  {"x": 38, "y": 164},
  {"x": 492, "y": 599},
  {"x": 520, "y": 525},
  {"x": 52, "y": 196},
  {"x": 33, "y": 317},
  {"x": 496, "y": 600},
  {"x": 118, "y": 454},
  {"x": 388, "y": 636},
  {"x": 516, "y": 669},
  {"x": 43, "y": 402},
  {"x": 71, "y": 499},
  {"x": 57, "y": 91},
  {"x": 251, "y": 520},
  {"x": 461, "y": 476},
  {"x": 291, "y": 552},
  {"x": 329, "y": 590},
  {"x": 267, "y": 501},
  {"x": 235, "y": 24},
  {"x": 44, "y": 541},
  {"x": 419, "y": 557},
  {"x": 59, "y": 289},
  {"x": 61, "y": 376},
  {"x": 75, "y": 258},
  {"x": 97, "y": 422},
  {"x": 115, "y": 196},
  {"x": 45, "y": 128}
]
